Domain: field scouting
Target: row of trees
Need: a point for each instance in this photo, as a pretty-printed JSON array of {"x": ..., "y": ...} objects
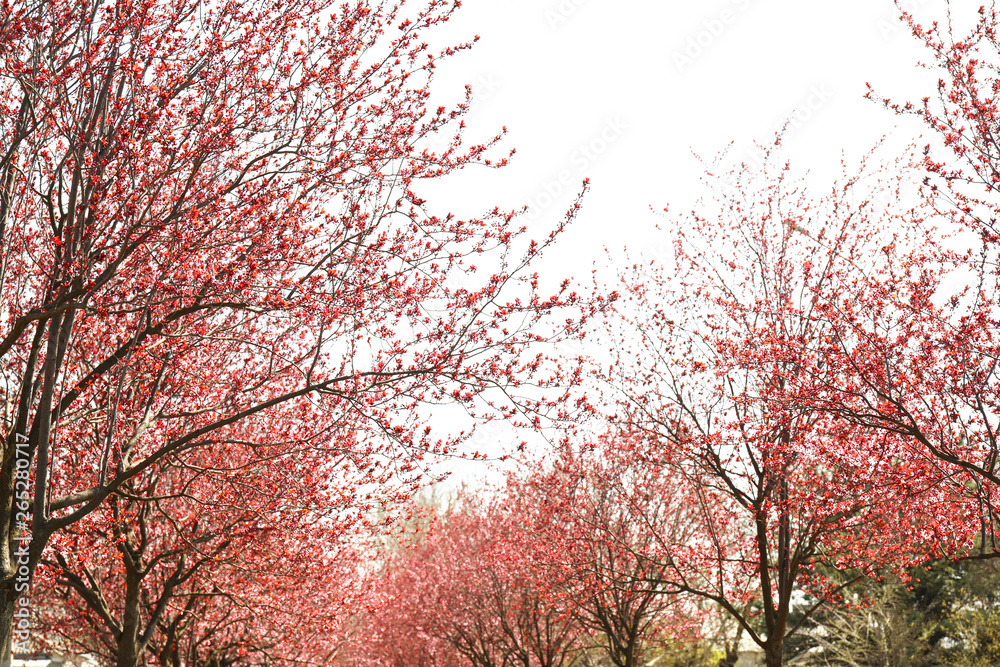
[
  {"x": 811, "y": 381},
  {"x": 543, "y": 574},
  {"x": 226, "y": 312},
  {"x": 579, "y": 562}
]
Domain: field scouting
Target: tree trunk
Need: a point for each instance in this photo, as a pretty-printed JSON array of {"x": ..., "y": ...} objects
[
  {"x": 729, "y": 660},
  {"x": 774, "y": 650},
  {"x": 20, "y": 558},
  {"x": 128, "y": 644},
  {"x": 629, "y": 653},
  {"x": 8, "y": 603}
]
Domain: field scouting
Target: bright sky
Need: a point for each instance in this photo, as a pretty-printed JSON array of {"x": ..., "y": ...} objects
[{"x": 622, "y": 92}]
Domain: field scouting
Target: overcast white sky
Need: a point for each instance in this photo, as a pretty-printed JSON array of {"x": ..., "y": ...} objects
[
  {"x": 643, "y": 83},
  {"x": 659, "y": 80}
]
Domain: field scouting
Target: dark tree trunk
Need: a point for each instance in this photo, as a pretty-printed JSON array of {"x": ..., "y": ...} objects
[
  {"x": 774, "y": 650},
  {"x": 129, "y": 651}
]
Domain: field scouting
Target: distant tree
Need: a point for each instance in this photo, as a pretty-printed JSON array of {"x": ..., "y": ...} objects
[
  {"x": 596, "y": 518},
  {"x": 466, "y": 594}
]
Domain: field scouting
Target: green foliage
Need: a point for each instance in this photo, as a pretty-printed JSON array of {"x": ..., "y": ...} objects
[
  {"x": 943, "y": 614},
  {"x": 973, "y": 617},
  {"x": 979, "y": 632}
]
